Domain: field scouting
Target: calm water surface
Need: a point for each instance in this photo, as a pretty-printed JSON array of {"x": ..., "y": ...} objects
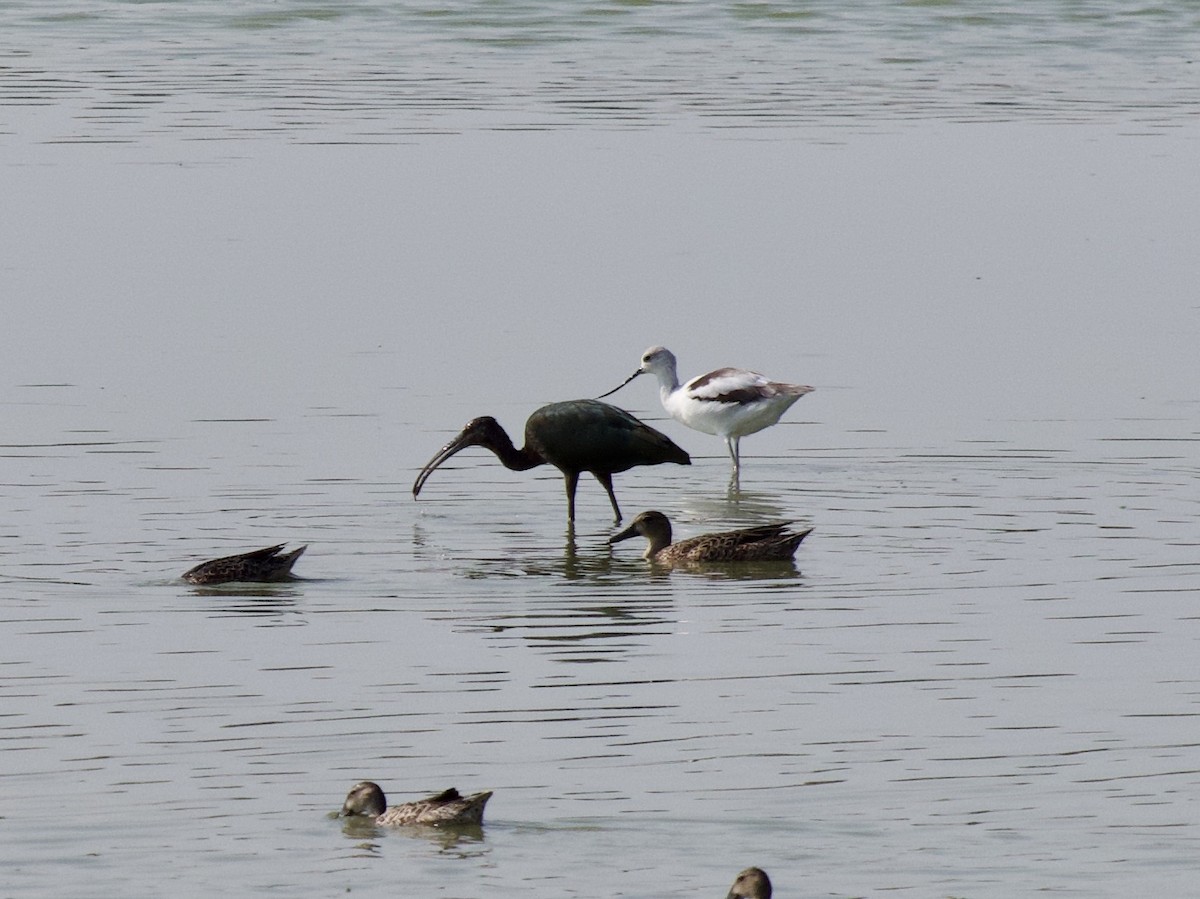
[{"x": 262, "y": 259}]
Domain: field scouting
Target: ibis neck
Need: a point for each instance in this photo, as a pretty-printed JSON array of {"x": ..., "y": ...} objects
[{"x": 515, "y": 459}]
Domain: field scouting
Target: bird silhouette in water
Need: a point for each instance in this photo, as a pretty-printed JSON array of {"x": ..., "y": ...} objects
[
  {"x": 753, "y": 883},
  {"x": 447, "y": 807},
  {"x": 764, "y": 543},
  {"x": 728, "y": 402},
  {"x": 574, "y": 436},
  {"x": 261, "y": 565}
]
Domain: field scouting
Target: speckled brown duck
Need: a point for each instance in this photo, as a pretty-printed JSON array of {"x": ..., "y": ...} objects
[
  {"x": 764, "y": 543},
  {"x": 753, "y": 883},
  {"x": 448, "y": 807},
  {"x": 262, "y": 565}
]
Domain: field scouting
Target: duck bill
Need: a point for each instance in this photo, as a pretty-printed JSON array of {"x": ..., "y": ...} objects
[
  {"x": 454, "y": 446},
  {"x": 619, "y": 386},
  {"x": 630, "y": 531}
]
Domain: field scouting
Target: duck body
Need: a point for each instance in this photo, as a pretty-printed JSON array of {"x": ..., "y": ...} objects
[
  {"x": 753, "y": 883},
  {"x": 261, "y": 565},
  {"x": 574, "y": 436},
  {"x": 726, "y": 402},
  {"x": 448, "y": 807},
  {"x": 763, "y": 543}
]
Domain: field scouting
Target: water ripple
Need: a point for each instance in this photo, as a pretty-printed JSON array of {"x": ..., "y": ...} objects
[{"x": 211, "y": 72}]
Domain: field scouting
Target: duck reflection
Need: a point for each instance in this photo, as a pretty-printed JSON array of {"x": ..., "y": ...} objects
[
  {"x": 277, "y": 604},
  {"x": 458, "y": 839}
]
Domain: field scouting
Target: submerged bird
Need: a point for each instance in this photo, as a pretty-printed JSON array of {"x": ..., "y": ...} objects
[
  {"x": 448, "y": 807},
  {"x": 268, "y": 564},
  {"x": 574, "y": 436},
  {"x": 728, "y": 402},
  {"x": 764, "y": 543},
  {"x": 753, "y": 883}
]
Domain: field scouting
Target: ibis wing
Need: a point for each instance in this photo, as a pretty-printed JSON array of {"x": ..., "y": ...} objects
[{"x": 587, "y": 435}]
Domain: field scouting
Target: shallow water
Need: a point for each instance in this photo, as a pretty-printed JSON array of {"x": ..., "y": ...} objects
[{"x": 250, "y": 288}]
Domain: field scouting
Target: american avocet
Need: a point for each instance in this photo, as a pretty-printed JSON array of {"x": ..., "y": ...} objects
[
  {"x": 575, "y": 436},
  {"x": 765, "y": 543},
  {"x": 753, "y": 883},
  {"x": 448, "y": 807},
  {"x": 269, "y": 564},
  {"x": 728, "y": 402}
]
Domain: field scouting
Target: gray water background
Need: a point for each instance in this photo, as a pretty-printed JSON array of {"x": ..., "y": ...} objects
[{"x": 259, "y": 260}]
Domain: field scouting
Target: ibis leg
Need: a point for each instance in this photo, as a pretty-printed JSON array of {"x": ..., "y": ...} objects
[
  {"x": 606, "y": 482},
  {"x": 572, "y": 481}
]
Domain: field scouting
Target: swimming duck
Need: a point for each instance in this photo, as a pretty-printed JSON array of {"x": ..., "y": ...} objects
[
  {"x": 448, "y": 807},
  {"x": 268, "y": 564},
  {"x": 728, "y": 402},
  {"x": 753, "y": 883},
  {"x": 764, "y": 543}
]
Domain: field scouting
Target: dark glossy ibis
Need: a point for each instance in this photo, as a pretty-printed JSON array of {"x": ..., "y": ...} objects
[{"x": 574, "y": 436}]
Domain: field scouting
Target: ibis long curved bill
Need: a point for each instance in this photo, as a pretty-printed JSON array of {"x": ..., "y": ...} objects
[{"x": 467, "y": 437}]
